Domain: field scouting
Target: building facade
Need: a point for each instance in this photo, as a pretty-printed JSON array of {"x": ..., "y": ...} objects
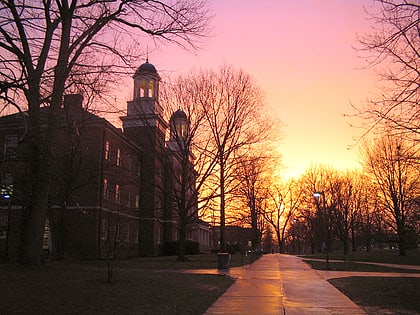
[{"x": 109, "y": 191}]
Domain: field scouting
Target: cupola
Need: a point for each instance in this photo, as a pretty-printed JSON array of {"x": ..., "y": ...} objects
[
  {"x": 146, "y": 82},
  {"x": 179, "y": 125},
  {"x": 146, "y": 67}
]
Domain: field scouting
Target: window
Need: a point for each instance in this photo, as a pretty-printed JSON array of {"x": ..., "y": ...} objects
[
  {"x": 6, "y": 187},
  {"x": 118, "y": 157},
  {"x": 135, "y": 233},
  {"x": 117, "y": 194},
  {"x": 106, "y": 189},
  {"x": 137, "y": 201},
  {"x": 107, "y": 155},
  {"x": 104, "y": 230},
  {"x": 129, "y": 166},
  {"x": 129, "y": 231},
  {"x": 116, "y": 232},
  {"x": 125, "y": 232},
  {"x": 46, "y": 240},
  {"x": 158, "y": 236},
  {"x": 10, "y": 146},
  {"x": 181, "y": 129},
  {"x": 151, "y": 89},
  {"x": 3, "y": 225},
  {"x": 128, "y": 198},
  {"x": 6, "y": 191},
  {"x": 142, "y": 88}
]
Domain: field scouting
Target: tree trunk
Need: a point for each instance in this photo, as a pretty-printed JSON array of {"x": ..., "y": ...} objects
[
  {"x": 35, "y": 214},
  {"x": 401, "y": 240},
  {"x": 182, "y": 241},
  {"x": 345, "y": 244},
  {"x": 37, "y": 189},
  {"x": 56, "y": 219},
  {"x": 223, "y": 248},
  {"x": 255, "y": 232},
  {"x": 353, "y": 237},
  {"x": 279, "y": 241}
]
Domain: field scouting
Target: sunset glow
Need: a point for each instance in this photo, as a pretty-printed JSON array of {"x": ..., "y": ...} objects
[{"x": 302, "y": 55}]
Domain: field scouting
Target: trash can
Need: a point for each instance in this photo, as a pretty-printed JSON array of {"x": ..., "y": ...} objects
[{"x": 223, "y": 260}]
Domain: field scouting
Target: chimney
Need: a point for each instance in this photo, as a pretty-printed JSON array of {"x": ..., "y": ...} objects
[{"x": 73, "y": 101}]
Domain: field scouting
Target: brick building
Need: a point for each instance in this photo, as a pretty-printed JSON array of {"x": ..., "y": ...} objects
[{"x": 110, "y": 185}]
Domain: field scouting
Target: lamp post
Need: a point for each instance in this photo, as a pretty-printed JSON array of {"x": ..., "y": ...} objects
[
  {"x": 318, "y": 196},
  {"x": 7, "y": 197}
]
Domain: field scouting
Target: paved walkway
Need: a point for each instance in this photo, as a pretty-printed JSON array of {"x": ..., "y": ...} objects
[{"x": 282, "y": 284}]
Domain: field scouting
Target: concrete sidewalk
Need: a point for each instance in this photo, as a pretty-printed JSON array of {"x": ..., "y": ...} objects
[{"x": 281, "y": 284}]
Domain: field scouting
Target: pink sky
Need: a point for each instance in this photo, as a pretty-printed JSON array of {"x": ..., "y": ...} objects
[{"x": 300, "y": 52}]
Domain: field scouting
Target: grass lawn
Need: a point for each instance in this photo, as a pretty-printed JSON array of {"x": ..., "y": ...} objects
[
  {"x": 354, "y": 266},
  {"x": 203, "y": 261},
  {"x": 79, "y": 287},
  {"x": 377, "y": 295},
  {"x": 380, "y": 256}
]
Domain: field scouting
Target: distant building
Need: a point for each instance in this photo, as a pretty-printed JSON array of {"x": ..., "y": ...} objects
[
  {"x": 238, "y": 238},
  {"x": 110, "y": 186}
]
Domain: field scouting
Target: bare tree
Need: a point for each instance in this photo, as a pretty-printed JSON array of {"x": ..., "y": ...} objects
[
  {"x": 223, "y": 109},
  {"x": 49, "y": 46},
  {"x": 389, "y": 161},
  {"x": 189, "y": 164},
  {"x": 286, "y": 201},
  {"x": 319, "y": 188},
  {"x": 364, "y": 204},
  {"x": 251, "y": 193},
  {"x": 393, "y": 47},
  {"x": 346, "y": 203},
  {"x": 233, "y": 106}
]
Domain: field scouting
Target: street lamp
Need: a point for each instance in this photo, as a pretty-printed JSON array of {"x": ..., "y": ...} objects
[
  {"x": 320, "y": 195},
  {"x": 7, "y": 196}
]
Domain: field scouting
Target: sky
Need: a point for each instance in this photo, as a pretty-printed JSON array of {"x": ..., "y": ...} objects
[{"x": 302, "y": 55}]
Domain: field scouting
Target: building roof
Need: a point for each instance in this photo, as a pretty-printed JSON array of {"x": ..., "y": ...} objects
[
  {"x": 179, "y": 114},
  {"x": 146, "y": 67}
]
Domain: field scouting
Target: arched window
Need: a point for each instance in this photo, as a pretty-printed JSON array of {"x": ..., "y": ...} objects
[
  {"x": 142, "y": 88},
  {"x": 182, "y": 130},
  {"x": 151, "y": 89}
]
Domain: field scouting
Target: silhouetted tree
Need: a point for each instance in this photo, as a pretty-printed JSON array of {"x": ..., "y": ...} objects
[
  {"x": 189, "y": 164},
  {"x": 323, "y": 186},
  {"x": 393, "y": 47},
  {"x": 286, "y": 201},
  {"x": 233, "y": 106},
  {"x": 253, "y": 178},
  {"x": 364, "y": 201},
  {"x": 389, "y": 161},
  {"x": 344, "y": 211}
]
